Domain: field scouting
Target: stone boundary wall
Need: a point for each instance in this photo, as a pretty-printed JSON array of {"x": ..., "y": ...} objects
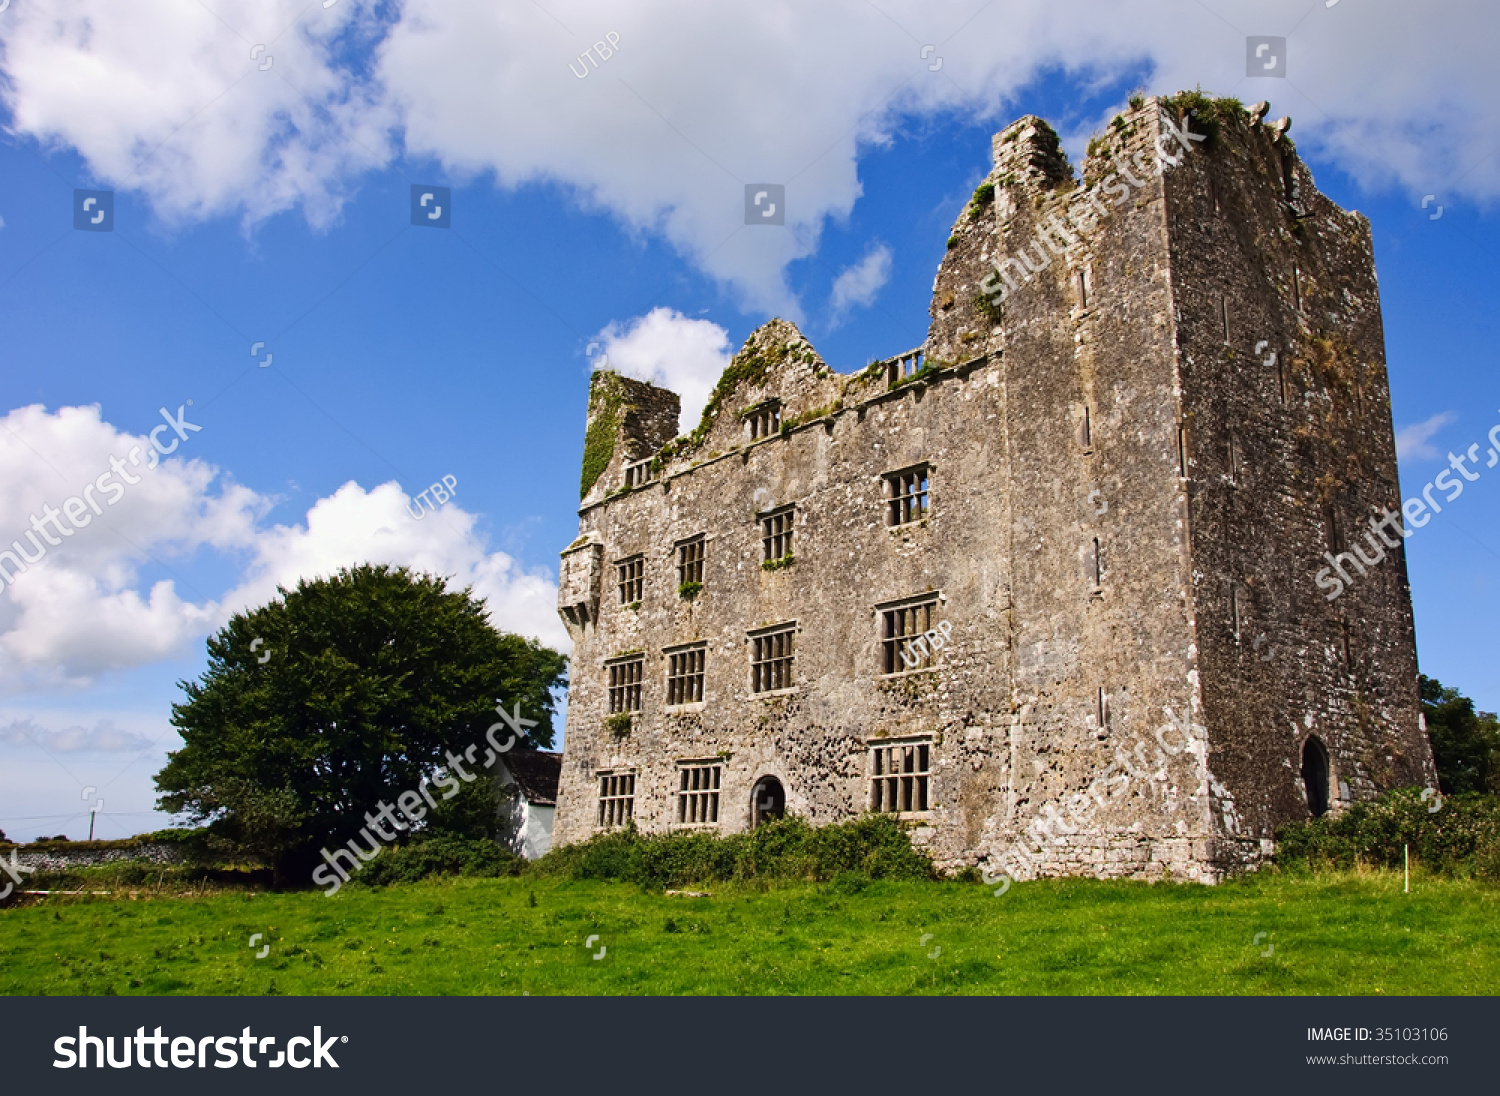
[{"x": 63, "y": 855}]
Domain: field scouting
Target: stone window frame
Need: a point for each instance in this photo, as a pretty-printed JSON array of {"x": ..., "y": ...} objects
[
  {"x": 700, "y": 786},
  {"x": 686, "y": 674},
  {"x": 616, "y": 797},
  {"x": 626, "y": 681},
  {"x": 905, "y": 507},
  {"x": 909, "y": 783},
  {"x": 773, "y": 663},
  {"x": 639, "y": 473},
  {"x": 776, "y": 529},
  {"x": 630, "y": 578},
  {"x": 763, "y": 420},
  {"x": 690, "y": 567},
  {"x": 905, "y": 365},
  {"x": 890, "y": 612}
]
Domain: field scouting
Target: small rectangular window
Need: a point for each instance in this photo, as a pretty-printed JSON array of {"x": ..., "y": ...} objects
[
  {"x": 685, "y": 675},
  {"x": 698, "y": 785},
  {"x": 690, "y": 560},
  {"x": 906, "y": 496},
  {"x": 630, "y": 578},
  {"x": 625, "y": 677},
  {"x": 616, "y": 798},
  {"x": 776, "y": 534},
  {"x": 899, "y": 777},
  {"x": 764, "y": 420},
  {"x": 639, "y": 473},
  {"x": 908, "y": 365},
  {"x": 901, "y": 625},
  {"x": 771, "y": 660}
]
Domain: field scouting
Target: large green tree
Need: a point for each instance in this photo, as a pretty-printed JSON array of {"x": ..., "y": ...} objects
[
  {"x": 358, "y": 686},
  {"x": 1465, "y": 743}
]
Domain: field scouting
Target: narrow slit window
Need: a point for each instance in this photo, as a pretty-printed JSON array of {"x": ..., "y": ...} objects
[
  {"x": 1182, "y": 452},
  {"x": 1234, "y": 460},
  {"x": 1224, "y": 316},
  {"x": 1098, "y": 566},
  {"x": 1086, "y": 429},
  {"x": 1297, "y": 286},
  {"x": 1103, "y": 711},
  {"x": 1083, "y": 288},
  {"x": 1234, "y": 612}
]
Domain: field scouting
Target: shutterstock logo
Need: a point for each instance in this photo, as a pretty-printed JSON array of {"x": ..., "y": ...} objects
[{"x": 187, "y": 1052}]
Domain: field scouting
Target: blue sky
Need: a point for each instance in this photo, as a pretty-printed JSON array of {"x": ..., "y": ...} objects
[{"x": 603, "y": 212}]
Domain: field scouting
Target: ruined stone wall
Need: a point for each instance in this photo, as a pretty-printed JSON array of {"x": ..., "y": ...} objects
[
  {"x": 1121, "y": 507},
  {"x": 816, "y": 738},
  {"x": 1288, "y": 427}
]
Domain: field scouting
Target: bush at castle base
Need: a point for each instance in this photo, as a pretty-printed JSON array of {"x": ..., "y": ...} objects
[
  {"x": 1460, "y": 837},
  {"x": 873, "y": 846}
]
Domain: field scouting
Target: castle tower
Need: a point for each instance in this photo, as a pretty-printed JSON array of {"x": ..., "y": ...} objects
[{"x": 1052, "y": 587}]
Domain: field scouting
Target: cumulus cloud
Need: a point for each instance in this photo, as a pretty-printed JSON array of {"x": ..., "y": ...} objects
[
  {"x": 671, "y": 350},
  {"x": 859, "y": 284},
  {"x": 354, "y": 526},
  {"x": 102, "y": 737},
  {"x": 698, "y": 100},
  {"x": 1413, "y": 440},
  {"x": 80, "y": 607}
]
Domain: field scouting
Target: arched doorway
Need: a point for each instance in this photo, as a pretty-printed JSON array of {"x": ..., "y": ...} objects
[
  {"x": 1315, "y": 776},
  {"x": 767, "y": 801}
]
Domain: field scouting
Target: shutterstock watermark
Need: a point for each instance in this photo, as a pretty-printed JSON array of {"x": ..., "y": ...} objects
[
  {"x": 1020, "y": 861},
  {"x": 187, "y": 1052},
  {"x": 82, "y": 508},
  {"x": 333, "y": 875},
  {"x": 1336, "y": 579},
  {"x": 1087, "y": 214}
]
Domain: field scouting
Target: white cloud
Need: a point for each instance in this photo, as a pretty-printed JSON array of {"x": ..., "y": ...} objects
[
  {"x": 699, "y": 99},
  {"x": 82, "y": 609},
  {"x": 673, "y": 351},
  {"x": 355, "y": 526},
  {"x": 102, "y": 737},
  {"x": 859, "y": 284},
  {"x": 1412, "y": 441}
]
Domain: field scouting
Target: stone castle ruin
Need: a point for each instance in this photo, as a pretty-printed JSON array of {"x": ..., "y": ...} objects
[{"x": 1043, "y": 587}]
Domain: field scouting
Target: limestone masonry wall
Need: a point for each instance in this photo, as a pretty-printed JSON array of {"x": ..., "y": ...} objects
[{"x": 1150, "y": 399}]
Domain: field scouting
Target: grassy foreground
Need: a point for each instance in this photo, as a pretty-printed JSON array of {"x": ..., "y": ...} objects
[{"x": 1338, "y": 933}]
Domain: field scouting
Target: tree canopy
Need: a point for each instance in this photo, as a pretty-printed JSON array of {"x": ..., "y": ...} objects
[
  {"x": 336, "y": 695},
  {"x": 1465, "y": 743}
]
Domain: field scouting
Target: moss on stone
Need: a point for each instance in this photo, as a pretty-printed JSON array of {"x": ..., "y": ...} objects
[{"x": 599, "y": 438}]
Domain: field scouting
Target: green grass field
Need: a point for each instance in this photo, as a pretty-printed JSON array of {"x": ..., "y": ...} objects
[{"x": 1329, "y": 934}]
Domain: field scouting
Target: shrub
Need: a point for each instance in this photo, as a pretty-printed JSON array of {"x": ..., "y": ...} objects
[
  {"x": 870, "y": 847},
  {"x": 441, "y": 854},
  {"x": 1462, "y": 837}
]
